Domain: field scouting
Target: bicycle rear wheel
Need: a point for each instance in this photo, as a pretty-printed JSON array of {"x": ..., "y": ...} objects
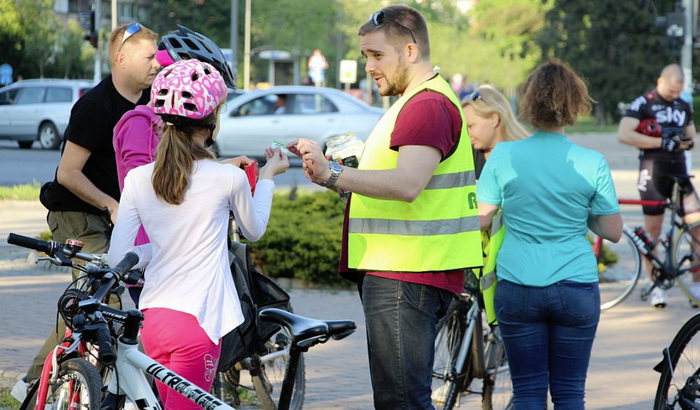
[
  {"x": 679, "y": 371},
  {"x": 498, "y": 387},
  {"x": 450, "y": 332},
  {"x": 78, "y": 386},
  {"x": 686, "y": 260},
  {"x": 264, "y": 391},
  {"x": 619, "y": 269}
]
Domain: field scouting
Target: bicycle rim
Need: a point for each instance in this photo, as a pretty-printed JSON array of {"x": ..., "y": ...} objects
[
  {"x": 686, "y": 258},
  {"x": 78, "y": 386},
  {"x": 451, "y": 329},
  {"x": 619, "y": 268},
  {"x": 264, "y": 391},
  {"x": 498, "y": 387},
  {"x": 684, "y": 356}
]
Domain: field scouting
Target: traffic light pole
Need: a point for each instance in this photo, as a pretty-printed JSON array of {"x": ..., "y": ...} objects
[{"x": 98, "y": 55}]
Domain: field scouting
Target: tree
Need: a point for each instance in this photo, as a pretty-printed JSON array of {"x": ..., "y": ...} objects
[
  {"x": 614, "y": 44},
  {"x": 10, "y": 34},
  {"x": 42, "y": 32}
]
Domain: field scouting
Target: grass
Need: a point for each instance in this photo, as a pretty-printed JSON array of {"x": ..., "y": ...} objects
[
  {"x": 587, "y": 124},
  {"x": 25, "y": 192},
  {"x": 7, "y": 401}
]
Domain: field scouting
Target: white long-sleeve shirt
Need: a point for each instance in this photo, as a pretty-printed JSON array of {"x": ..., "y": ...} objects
[{"x": 187, "y": 259}]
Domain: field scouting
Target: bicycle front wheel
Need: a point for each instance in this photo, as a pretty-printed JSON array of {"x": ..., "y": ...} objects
[
  {"x": 678, "y": 384},
  {"x": 78, "y": 386},
  {"x": 619, "y": 269},
  {"x": 451, "y": 329},
  {"x": 686, "y": 261}
]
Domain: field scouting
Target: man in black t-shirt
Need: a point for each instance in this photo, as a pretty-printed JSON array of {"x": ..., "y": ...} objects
[
  {"x": 84, "y": 197},
  {"x": 664, "y": 154}
]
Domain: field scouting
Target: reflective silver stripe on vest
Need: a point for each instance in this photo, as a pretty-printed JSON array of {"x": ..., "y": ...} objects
[
  {"x": 453, "y": 180},
  {"x": 488, "y": 280},
  {"x": 414, "y": 228}
]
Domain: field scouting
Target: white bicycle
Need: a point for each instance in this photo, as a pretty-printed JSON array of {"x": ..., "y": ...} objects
[{"x": 82, "y": 387}]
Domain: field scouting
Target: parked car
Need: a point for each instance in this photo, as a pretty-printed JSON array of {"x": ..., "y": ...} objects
[
  {"x": 38, "y": 109},
  {"x": 256, "y": 118}
]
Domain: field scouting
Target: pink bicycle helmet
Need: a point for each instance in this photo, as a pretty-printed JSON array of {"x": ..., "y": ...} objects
[{"x": 187, "y": 88}]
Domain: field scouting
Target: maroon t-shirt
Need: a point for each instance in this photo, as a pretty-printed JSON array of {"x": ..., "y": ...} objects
[{"x": 431, "y": 119}]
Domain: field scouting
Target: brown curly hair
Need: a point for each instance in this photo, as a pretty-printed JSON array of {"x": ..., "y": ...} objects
[{"x": 554, "y": 96}]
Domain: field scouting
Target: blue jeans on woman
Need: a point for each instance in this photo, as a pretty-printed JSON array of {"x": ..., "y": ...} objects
[
  {"x": 548, "y": 335},
  {"x": 400, "y": 318}
]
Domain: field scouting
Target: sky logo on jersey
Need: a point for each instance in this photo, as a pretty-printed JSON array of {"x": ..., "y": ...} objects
[{"x": 669, "y": 115}]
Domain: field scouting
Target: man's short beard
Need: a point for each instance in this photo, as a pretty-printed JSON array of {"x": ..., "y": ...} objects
[{"x": 399, "y": 83}]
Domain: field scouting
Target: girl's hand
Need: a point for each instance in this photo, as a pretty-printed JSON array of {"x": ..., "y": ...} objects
[
  {"x": 277, "y": 163},
  {"x": 240, "y": 162}
]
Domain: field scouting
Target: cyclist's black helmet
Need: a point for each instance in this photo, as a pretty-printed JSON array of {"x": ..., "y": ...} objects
[{"x": 185, "y": 44}]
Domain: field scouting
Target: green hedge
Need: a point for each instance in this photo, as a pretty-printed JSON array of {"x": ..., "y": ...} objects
[{"x": 303, "y": 237}]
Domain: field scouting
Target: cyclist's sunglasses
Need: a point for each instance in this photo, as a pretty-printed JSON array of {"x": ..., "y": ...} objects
[
  {"x": 379, "y": 18},
  {"x": 475, "y": 96},
  {"x": 130, "y": 31}
]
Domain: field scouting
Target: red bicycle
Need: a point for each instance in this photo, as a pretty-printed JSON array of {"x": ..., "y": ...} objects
[
  {"x": 72, "y": 375},
  {"x": 671, "y": 256}
]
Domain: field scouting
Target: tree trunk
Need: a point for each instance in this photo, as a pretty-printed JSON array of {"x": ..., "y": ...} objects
[{"x": 600, "y": 117}]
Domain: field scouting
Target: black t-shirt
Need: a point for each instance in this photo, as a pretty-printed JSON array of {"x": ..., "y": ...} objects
[
  {"x": 674, "y": 114},
  {"x": 91, "y": 126}
]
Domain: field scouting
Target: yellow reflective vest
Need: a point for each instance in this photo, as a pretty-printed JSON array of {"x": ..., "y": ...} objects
[
  {"x": 492, "y": 241},
  {"x": 439, "y": 231}
]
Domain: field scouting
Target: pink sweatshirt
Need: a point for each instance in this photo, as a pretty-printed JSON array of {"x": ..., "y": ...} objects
[{"x": 136, "y": 137}]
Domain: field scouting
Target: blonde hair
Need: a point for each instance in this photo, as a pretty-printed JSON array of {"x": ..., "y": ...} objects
[
  {"x": 175, "y": 156},
  {"x": 115, "y": 39},
  {"x": 554, "y": 96},
  {"x": 487, "y": 101}
]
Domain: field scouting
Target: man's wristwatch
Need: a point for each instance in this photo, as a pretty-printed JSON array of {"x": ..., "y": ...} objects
[{"x": 336, "y": 169}]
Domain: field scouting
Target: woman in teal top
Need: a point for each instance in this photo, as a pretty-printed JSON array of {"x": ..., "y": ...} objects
[{"x": 550, "y": 192}]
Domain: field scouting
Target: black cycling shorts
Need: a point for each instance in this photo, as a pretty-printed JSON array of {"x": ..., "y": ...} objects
[{"x": 654, "y": 185}]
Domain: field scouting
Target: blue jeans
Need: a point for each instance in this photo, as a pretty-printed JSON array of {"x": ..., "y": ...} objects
[
  {"x": 548, "y": 335},
  {"x": 400, "y": 318}
]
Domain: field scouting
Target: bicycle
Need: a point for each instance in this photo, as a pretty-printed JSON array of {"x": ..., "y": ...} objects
[
  {"x": 76, "y": 357},
  {"x": 129, "y": 365},
  {"x": 620, "y": 264},
  {"x": 679, "y": 383},
  {"x": 465, "y": 351}
]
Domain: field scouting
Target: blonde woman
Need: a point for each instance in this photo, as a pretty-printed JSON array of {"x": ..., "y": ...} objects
[{"x": 490, "y": 120}]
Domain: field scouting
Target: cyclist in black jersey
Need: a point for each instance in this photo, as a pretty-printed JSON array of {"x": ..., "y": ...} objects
[{"x": 664, "y": 154}]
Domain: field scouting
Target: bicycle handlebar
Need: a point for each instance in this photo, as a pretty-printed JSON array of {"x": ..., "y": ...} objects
[
  {"x": 104, "y": 342},
  {"x": 31, "y": 243},
  {"x": 51, "y": 248}
]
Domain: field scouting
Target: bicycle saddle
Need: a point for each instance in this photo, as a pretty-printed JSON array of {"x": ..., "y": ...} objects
[{"x": 303, "y": 329}]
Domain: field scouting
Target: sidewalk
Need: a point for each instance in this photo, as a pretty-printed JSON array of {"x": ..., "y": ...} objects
[{"x": 629, "y": 340}]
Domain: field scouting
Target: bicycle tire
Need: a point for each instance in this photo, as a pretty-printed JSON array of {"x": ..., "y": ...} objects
[
  {"x": 618, "y": 276},
  {"x": 684, "y": 257},
  {"x": 75, "y": 376},
  {"x": 265, "y": 389},
  {"x": 498, "y": 387},
  {"x": 684, "y": 357},
  {"x": 450, "y": 330}
]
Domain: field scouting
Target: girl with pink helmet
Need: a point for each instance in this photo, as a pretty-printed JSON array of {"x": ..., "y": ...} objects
[{"x": 183, "y": 200}]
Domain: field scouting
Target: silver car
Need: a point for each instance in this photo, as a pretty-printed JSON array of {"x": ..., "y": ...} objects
[
  {"x": 257, "y": 118},
  {"x": 38, "y": 109}
]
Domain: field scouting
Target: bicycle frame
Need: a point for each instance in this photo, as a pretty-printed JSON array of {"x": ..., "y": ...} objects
[
  {"x": 129, "y": 380},
  {"x": 50, "y": 368}
]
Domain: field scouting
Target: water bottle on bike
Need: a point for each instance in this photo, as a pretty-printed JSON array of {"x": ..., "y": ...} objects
[{"x": 645, "y": 237}]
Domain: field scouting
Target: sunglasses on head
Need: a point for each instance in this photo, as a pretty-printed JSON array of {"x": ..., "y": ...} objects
[
  {"x": 379, "y": 18},
  {"x": 130, "y": 31},
  {"x": 475, "y": 96}
]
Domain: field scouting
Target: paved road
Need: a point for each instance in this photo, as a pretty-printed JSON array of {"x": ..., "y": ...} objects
[{"x": 628, "y": 343}]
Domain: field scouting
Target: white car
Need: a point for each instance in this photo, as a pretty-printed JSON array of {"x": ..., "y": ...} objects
[
  {"x": 254, "y": 120},
  {"x": 39, "y": 109}
]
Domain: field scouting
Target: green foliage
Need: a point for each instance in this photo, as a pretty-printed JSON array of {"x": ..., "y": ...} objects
[
  {"x": 614, "y": 44},
  {"x": 26, "y": 192},
  {"x": 37, "y": 44},
  {"x": 303, "y": 238}
]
